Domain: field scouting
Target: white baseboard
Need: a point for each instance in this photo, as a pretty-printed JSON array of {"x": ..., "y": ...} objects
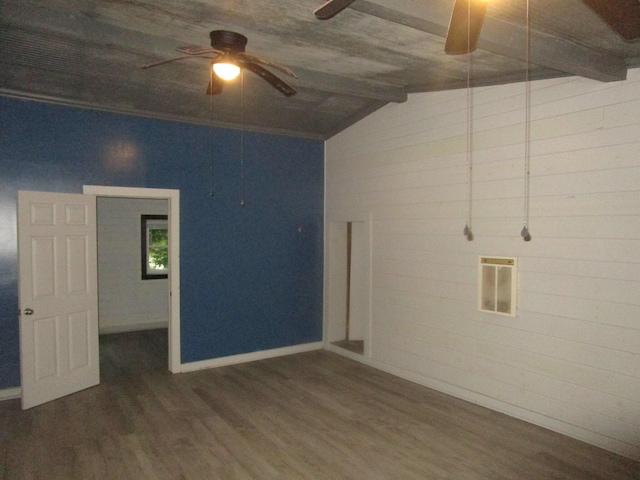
[
  {"x": 249, "y": 357},
  {"x": 132, "y": 327},
  {"x": 10, "y": 393},
  {"x": 592, "y": 438}
]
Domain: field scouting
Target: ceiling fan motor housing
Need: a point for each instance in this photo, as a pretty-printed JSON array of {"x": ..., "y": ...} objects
[{"x": 230, "y": 42}]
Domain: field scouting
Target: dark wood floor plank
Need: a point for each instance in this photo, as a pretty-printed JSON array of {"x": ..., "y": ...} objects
[{"x": 311, "y": 416}]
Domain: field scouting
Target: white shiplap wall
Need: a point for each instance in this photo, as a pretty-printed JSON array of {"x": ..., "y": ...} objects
[
  {"x": 570, "y": 361},
  {"x": 125, "y": 301}
]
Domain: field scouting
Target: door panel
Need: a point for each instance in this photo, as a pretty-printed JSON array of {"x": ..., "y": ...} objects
[
  {"x": 45, "y": 347},
  {"x": 58, "y": 295},
  {"x": 79, "y": 340},
  {"x": 43, "y": 267}
]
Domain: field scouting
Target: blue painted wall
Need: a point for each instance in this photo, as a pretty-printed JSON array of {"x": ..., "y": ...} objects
[{"x": 251, "y": 276}]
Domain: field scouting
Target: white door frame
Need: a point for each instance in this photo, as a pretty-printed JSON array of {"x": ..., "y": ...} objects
[{"x": 173, "y": 197}]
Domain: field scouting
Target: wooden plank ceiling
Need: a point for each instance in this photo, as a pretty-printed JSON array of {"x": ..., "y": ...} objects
[{"x": 90, "y": 53}]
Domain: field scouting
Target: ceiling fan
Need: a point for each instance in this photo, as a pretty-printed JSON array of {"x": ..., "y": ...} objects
[
  {"x": 467, "y": 17},
  {"x": 228, "y": 56}
]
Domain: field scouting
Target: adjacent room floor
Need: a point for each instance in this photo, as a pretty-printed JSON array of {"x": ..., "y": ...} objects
[{"x": 314, "y": 415}]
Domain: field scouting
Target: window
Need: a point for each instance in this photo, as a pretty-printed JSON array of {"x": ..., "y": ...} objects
[
  {"x": 155, "y": 246},
  {"x": 497, "y": 285}
]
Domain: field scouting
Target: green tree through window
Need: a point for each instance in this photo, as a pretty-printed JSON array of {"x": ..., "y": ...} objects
[{"x": 155, "y": 246}]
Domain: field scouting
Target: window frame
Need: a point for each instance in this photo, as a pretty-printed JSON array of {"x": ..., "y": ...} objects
[{"x": 145, "y": 222}]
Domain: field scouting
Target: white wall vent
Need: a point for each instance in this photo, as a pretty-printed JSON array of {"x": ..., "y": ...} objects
[{"x": 497, "y": 285}]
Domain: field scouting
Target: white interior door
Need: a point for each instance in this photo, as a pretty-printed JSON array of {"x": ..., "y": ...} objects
[{"x": 58, "y": 295}]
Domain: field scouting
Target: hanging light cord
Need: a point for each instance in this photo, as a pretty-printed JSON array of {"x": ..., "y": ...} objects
[
  {"x": 527, "y": 133},
  {"x": 211, "y": 138},
  {"x": 467, "y": 227},
  {"x": 242, "y": 138}
]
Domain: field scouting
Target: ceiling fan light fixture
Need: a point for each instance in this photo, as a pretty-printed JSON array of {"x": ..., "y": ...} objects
[{"x": 226, "y": 71}]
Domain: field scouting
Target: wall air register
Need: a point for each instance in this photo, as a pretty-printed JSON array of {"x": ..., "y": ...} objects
[{"x": 497, "y": 285}]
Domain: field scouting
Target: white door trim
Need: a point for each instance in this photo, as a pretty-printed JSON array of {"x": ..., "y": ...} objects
[{"x": 173, "y": 196}]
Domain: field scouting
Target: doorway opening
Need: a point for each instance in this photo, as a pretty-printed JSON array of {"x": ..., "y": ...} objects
[
  {"x": 132, "y": 297},
  {"x": 348, "y": 306},
  {"x": 171, "y": 199}
]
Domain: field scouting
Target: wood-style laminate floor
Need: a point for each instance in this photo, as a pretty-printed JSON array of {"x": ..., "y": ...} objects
[{"x": 314, "y": 415}]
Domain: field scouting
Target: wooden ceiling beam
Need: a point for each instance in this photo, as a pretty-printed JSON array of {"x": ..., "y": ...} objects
[
  {"x": 503, "y": 38},
  {"x": 551, "y": 52}
]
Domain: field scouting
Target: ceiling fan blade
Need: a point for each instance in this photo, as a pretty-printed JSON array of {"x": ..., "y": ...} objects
[
  {"x": 623, "y": 16},
  {"x": 198, "y": 50},
  {"x": 162, "y": 62},
  {"x": 331, "y": 8},
  {"x": 215, "y": 85},
  {"x": 465, "y": 25},
  {"x": 266, "y": 62},
  {"x": 283, "y": 87}
]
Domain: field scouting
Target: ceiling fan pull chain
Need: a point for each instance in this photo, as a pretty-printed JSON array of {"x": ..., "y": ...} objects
[
  {"x": 242, "y": 138},
  {"x": 524, "y": 233},
  {"x": 211, "y": 138},
  {"x": 242, "y": 132},
  {"x": 467, "y": 226}
]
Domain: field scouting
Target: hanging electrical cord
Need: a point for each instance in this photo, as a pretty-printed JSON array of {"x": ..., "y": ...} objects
[
  {"x": 467, "y": 227},
  {"x": 242, "y": 138},
  {"x": 524, "y": 233},
  {"x": 211, "y": 138}
]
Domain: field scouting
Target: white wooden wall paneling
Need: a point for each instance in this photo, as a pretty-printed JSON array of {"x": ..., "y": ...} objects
[
  {"x": 514, "y": 371},
  {"x": 563, "y": 334},
  {"x": 510, "y": 345},
  {"x": 570, "y": 360}
]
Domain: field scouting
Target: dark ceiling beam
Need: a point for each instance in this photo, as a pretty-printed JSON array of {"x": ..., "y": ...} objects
[
  {"x": 448, "y": 84},
  {"x": 502, "y": 38},
  {"x": 342, "y": 85},
  {"x": 551, "y": 52}
]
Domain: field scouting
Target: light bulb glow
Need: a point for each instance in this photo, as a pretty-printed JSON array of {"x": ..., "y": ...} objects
[{"x": 226, "y": 71}]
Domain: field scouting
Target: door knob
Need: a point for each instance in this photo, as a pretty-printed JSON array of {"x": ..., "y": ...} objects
[{"x": 28, "y": 311}]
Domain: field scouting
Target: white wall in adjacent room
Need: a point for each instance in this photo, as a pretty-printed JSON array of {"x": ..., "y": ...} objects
[
  {"x": 125, "y": 301},
  {"x": 570, "y": 359}
]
